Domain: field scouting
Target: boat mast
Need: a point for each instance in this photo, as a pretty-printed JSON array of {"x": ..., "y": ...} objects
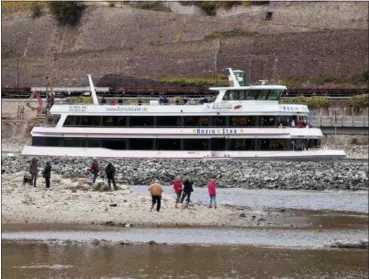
[{"x": 93, "y": 92}]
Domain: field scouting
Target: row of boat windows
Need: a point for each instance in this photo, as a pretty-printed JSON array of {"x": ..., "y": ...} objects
[
  {"x": 263, "y": 94},
  {"x": 216, "y": 144},
  {"x": 177, "y": 121}
]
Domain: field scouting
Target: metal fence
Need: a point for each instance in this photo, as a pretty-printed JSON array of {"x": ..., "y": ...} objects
[{"x": 340, "y": 121}]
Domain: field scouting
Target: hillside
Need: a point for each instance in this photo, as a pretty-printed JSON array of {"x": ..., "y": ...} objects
[{"x": 326, "y": 41}]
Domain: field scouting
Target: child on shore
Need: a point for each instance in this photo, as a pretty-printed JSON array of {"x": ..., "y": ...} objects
[
  {"x": 177, "y": 186},
  {"x": 212, "y": 193}
]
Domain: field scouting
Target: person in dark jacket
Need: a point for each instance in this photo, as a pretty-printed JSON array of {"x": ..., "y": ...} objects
[
  {"x": 110, "y": 172},
  {"x": 33, "y": 170},
  {"x": 94, "y": 170},
  {"x": 46, "y": 174},
  {"x": 187, "y": 190}
]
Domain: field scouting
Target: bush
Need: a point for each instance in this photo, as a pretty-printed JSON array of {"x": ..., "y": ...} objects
[
  {"x": 358, "y": 102},
  {"x": 226, "y": 34},
  {"x": 221, "y": 79},
  {"x": 320, "y": 80},
  {"x": 153, "y": 6},
  {"x": 66, "y": 12},
  {"x": 311, "y": 102},
  {"x": 36, "y": 10}
]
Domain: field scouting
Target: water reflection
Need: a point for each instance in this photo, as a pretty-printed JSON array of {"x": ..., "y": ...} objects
[{"x": 165, "y": 261}]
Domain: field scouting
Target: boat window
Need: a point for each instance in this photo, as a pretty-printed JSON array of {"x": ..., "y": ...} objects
[
  {"x": 93, "y": 143},
  {"x": 71, "y": 120},
  {"x": 169, "y": 144},
  {"x": 168, "y": 121},
  {"x": 196, "y": 144},
  {"x": 115, "y": 144},
  {"x": 114, "y": 121},
  {"x": 275, "y": 94},
  {"x": 219, "y": 121},
  {"x": 263, "y": 94},
  {"x": 218, "y": 144},
  {"x": 94, "y": 121},
  {"x": 196, "y": 121},
  {"x": 141, "y": 144},
  {"x": 267, "y": 121},
  {"x": 241, "y": 144},
  {"x": 141, "y": 121},
  {"x": 242, "y": 121},
  {"x": 38, "y": 141},
  {"x": 274, "y": 144}
]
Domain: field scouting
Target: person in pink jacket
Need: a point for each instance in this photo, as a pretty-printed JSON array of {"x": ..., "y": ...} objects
[{"x": 212, "y": 192}]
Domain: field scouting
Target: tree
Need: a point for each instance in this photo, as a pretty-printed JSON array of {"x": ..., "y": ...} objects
[{"x": 66, "y": 12}]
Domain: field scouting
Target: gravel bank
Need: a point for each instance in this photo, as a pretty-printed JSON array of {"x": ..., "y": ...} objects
[{"x": 246, "y": 174}]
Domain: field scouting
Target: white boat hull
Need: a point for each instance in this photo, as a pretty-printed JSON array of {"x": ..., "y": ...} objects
[{"x": 308, "y": 155}]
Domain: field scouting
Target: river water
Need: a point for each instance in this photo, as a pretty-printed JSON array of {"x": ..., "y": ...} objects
[
  {"x": 48, "y": 251},
  {"x": 39, "y": 260},
  {"x": 295, "y": 199}
]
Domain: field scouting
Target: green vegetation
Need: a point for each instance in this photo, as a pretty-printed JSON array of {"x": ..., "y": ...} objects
[
  {"x": 320, "y": 80},
  {"x": 311, "y": 102},
  {"x": 8, "y": 7},
  {"x": 358, "y": 102},
  {"x": 209, "y": 7},
  {"x": 293, "y": 81},
  {"x": 36, "y": 9},
  {"x": 152, "y": 5},
  {"x": 356, "y": 78},
  {"x": 80, "y": 100},
  {"x": 226, "y": 34},
  {"x": 66, "y": 12},
  {"x": 221, "y": 79}
]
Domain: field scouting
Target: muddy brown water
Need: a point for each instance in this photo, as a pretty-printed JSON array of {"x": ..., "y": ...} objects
[{"x": 39, "y": 260}]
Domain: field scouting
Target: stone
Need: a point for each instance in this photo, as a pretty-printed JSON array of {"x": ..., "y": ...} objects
[{"x": 242, "y": 215}]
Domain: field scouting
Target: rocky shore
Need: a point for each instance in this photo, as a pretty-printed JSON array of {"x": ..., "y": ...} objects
[
  {"x": 78, "y": 201},
  {"x": 246, "y": 174}
]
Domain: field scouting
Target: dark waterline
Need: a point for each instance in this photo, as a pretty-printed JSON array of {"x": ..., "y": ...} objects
[
  {"x": 25, "y": 261},
  {"x": 213, "y": 236}
]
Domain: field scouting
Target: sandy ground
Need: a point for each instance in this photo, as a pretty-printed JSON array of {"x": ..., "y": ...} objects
[{"x": 75, "y": 202}]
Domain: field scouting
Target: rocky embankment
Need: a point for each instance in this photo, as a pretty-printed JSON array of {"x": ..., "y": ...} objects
[{"x": 246, "y": 174}]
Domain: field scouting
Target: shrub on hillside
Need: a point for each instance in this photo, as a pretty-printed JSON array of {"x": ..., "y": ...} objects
[
  {"x": 36, "y": 10},
  {"x": 66, "y": 12}
]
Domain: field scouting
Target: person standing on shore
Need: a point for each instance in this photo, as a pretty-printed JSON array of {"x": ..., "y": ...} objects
[
  {"x": 177, "y": 185},
  {"x": 33, "y": 170},
  {"x": 187, "y": 190},
  {"x": 47, "y": 174},
  {"x": 94, "y": 170},
  {"x": 156, "y": 190},
  {"x": 110, "y": 173},
  {"x": 212, "y": 193}
]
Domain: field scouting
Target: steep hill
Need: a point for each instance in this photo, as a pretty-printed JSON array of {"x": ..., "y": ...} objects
[{"x": 308, "y": 40}]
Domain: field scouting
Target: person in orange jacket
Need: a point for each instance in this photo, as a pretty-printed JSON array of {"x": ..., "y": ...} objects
[{"x": 156, "y": 190}]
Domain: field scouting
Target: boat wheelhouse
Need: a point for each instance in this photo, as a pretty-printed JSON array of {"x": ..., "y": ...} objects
[{"x": 244, "y": 122}]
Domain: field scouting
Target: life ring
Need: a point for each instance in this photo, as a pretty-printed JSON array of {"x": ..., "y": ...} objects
[{"x": 35, "y": 95}]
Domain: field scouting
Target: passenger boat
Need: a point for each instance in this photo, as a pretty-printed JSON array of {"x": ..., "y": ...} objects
[{"x": 243, "y": 122}]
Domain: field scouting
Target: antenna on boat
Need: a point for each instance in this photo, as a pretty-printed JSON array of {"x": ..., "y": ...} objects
[
  {"x": 93, "y": 92},
  {"x": 232, "y": 78}
]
